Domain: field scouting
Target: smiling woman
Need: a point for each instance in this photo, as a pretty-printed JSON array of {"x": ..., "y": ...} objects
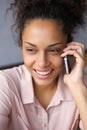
[
  {"x": 41, "y": 55},
  {"x": 38, "y": 94}
]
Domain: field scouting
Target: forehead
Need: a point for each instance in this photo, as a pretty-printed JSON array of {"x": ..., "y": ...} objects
[
  {"x": 50, "y": 24},
  {"x": 40, "y": 30}
]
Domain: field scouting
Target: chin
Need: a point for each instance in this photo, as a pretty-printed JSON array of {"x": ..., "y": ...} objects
[{"x": 45, "y": 82}]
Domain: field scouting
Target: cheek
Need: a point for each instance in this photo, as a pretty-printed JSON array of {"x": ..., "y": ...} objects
[
  {"x": 59, "y": 65},
  {"x": 58, "y": 62},
  {"x": 28, "y": 60}
]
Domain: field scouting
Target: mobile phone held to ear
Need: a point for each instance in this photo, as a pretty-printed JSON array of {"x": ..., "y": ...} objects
[{"x": 67, "y": 65}]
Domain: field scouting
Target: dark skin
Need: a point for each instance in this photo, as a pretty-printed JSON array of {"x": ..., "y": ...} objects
[
  {"x": 44, "y": 46},
  {"x": 44, "y": 56}
]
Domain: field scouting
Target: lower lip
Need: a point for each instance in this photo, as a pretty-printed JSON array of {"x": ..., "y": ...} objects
[{"x": 43, "y": 76}]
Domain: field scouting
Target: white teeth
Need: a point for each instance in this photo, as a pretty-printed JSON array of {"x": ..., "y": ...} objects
[{"x": 43, "y": 73}]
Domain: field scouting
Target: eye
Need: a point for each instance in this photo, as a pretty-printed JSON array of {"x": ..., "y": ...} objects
[
  {"x": 31, "y": 50},
  {"x": 54, "y": 51}
]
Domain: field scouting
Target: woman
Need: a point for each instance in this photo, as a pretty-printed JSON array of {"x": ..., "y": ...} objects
[{"x": 39, "y": 95}]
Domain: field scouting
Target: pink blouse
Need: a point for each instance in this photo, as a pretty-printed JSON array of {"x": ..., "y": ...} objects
[{"x": 20, "y": 110}]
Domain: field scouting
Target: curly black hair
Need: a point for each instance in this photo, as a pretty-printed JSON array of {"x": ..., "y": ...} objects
[{"x": 69, "y": 12}]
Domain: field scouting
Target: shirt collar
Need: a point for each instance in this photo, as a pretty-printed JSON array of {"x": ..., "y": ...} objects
[
  {"x": 62, "y": 93},
  {"x": 27, "y": 91}
]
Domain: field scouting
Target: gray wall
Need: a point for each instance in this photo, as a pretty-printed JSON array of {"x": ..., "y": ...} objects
[{"x": 10, "y": 53}]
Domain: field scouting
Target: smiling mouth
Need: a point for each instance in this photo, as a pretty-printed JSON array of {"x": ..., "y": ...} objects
[{"x": 43, "y": 73}]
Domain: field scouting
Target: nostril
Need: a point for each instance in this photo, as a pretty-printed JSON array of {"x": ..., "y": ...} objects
[{"x": 43, "y": 63}]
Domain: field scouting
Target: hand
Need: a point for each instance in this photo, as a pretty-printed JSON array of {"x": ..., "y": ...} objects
[{"x": 76, "y": 75}]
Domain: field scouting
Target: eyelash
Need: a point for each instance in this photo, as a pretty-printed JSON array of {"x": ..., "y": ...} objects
[
  {"x": 31, "y": 50},
  {"x": 54, "y": 51},
  {"x": 51, "y": 51}
]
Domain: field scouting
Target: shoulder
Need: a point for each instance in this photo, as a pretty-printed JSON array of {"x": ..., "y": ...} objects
[
  {"x": 11, "y": 73},
  {"x": 11, "y": 77}
]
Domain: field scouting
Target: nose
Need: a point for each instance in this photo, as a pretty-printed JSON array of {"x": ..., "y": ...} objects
[{"x": 42, "y": 60}]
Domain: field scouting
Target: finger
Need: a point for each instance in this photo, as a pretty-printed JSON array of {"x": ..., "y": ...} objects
[
  {"x": 78, "y": 47},
  {"x": 74, "y": 53},
  {"x": 77, "y": 43}
]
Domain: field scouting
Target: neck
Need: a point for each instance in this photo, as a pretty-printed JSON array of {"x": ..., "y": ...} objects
[
  {"x": 45, "y": 93},
  {"x": 45, "y": 88}
]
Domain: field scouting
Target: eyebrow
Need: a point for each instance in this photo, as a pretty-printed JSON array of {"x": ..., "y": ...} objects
[
  {"x": 31, "y": 44},
  {"x": 54, "y": 44}
]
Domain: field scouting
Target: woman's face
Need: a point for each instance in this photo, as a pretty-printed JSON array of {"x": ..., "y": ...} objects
[{"x": 42, "y": 44}]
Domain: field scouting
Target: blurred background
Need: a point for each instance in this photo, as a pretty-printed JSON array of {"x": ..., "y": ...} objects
[{"x": 10, "y": 53}]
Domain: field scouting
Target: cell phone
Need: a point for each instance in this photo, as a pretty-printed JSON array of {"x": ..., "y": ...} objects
[{"x": 67, "y": 65}]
